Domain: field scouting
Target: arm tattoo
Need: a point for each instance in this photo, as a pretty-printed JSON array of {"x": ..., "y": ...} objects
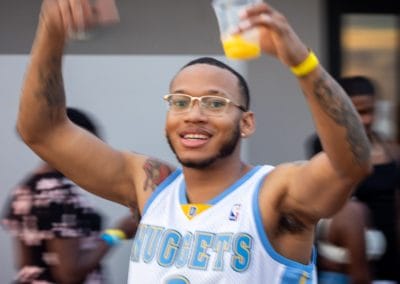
[
  {"x": 156, "y": 172},
  {"x": 52, "y": 84},
  {"x": 339, "y": 108}
]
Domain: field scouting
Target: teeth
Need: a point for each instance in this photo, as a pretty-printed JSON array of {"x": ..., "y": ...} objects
[{"x": 195, "y": 136}]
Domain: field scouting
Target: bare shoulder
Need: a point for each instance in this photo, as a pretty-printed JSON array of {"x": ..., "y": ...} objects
[
  {"x": 283, "y": 173},
  {"x": 280, "y": 177},
  {"x": 357, "y": 209},
  {"x": 351, "y": 220},
  {"x": 274, "y": 193},
  {"x": 351, "y": 210}
]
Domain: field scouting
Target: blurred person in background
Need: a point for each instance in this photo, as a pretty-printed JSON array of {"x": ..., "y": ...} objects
[
  {"x": 346, "y": 245},
  {"x": 57, "y": 234}
]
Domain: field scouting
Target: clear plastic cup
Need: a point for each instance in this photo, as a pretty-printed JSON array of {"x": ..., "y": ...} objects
[{"x": 244, "y": 45}]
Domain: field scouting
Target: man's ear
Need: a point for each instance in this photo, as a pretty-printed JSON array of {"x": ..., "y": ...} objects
[{"x": 247, "y": 124}]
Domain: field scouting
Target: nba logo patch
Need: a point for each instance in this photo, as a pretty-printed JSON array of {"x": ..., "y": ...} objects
[
  {"x": 234, "y": 215},
  {"x": 192, "y": 211}
]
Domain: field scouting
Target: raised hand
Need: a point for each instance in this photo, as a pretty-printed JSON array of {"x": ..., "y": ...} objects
[
  {"x": 276, "y": 35},
  {"x": 63, "y": 18}
]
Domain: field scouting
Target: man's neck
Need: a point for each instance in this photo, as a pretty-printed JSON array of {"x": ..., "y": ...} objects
[{"x": 203, "y": 185}]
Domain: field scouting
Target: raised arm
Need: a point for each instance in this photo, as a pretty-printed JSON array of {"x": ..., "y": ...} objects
[
  {"x": 42, "y": 120},
  {"x": 317, "y": 188}
]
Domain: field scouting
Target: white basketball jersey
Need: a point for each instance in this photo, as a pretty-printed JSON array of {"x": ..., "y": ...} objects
[{"x": 225, "y": 243}]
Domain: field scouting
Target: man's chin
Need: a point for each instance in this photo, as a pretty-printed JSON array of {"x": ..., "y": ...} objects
[{"x": 197, "y": 163}]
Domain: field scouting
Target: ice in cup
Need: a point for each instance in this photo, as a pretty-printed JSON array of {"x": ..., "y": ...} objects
[{"x": 244, "y": 45}]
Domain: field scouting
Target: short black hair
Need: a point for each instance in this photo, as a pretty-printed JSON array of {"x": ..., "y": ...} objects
[
  {"x": 357, "y": 86},
  {"x": 244, "y": 88},
  {"x": 83, "y": 120}
]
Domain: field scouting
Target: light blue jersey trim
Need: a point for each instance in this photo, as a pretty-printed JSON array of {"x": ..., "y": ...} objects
[
  {"x": 267, "y": 245},
  {"x": 296, "y": 276},
  {"x": 328, "y": 277},
  {"x": 215, "y": 200},
  {"x": 161, "y": 187}
]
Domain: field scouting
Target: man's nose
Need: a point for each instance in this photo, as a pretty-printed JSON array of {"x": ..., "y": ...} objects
[{"x": 196, "y": 111}]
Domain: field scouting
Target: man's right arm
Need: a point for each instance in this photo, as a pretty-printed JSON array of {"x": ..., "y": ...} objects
[{"x": 42, "y": 121}]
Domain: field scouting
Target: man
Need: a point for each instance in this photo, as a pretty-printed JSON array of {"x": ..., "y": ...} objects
[{"x": 237, "y": 223}]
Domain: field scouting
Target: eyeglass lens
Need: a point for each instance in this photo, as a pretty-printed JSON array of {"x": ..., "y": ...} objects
[{"x": 210, "y": 104}]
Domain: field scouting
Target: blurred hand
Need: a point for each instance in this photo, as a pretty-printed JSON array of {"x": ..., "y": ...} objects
[
  {"x": 128, "y": 224},
  {"x": 62, "y": 18}
]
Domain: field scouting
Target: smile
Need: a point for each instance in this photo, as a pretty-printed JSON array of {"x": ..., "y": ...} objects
[{"x": 195, "y": 136}]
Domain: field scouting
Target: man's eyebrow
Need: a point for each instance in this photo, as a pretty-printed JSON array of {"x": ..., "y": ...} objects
[
  {"x": 216, "y": 92},
  {"x": 179, "y": 91}
]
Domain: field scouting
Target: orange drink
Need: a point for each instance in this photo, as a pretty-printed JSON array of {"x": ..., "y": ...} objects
[
  {"x": 238, "y": 47},
  {"x": 244, "y": 45}
]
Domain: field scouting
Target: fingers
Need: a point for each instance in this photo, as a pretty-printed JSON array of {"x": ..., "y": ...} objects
[
  {"x": 259, "y": 14},
  {"x": 88, "y": 13},
  {"x": 257, "y": 9},
  {"x": 276, "y": 36},
  {"x": 77, "y": 14},
  {"x": 68, "y": 16},
  {"x": 83, "y": 18}
]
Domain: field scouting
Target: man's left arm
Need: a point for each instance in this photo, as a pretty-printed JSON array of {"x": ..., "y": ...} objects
[
  {"x": 330, "y": 176},
  {"x": 319, "y": 187}
]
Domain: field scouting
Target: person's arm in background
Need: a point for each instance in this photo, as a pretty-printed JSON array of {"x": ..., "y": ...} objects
[
  {"x": 68, "y": 262},
  {"x": 22, "y": 254},
  {"x": 351, "y": 223},
  {"x": 75, "y": 263},
  {"x": 10, "y": 222}
]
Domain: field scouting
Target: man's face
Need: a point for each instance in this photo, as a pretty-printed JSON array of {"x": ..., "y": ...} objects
[
  {"x": 198, "y": 139},
  {"x": 365, "y": 106}
]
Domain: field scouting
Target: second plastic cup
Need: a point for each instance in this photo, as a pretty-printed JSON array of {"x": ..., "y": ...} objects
[{"x": 244, "y": 45}]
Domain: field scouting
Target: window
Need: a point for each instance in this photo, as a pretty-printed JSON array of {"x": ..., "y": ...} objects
[{"x": 364, "y": 39}]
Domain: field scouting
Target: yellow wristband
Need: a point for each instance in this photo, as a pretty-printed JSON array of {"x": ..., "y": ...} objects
[
  {"x": 117, "y": 233},
  {"x": 307, "y": 66}
]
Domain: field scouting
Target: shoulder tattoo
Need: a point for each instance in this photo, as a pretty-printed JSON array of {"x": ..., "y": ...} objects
[{"x": 156, "y": 172}]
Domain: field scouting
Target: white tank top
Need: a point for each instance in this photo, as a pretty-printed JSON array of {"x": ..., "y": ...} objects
[{"x": 225, "y": 243}]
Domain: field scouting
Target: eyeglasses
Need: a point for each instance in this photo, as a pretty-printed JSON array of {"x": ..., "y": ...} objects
[{"x": 210, "y": 105}]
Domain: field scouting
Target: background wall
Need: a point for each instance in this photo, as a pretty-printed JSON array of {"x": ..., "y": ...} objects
[{"x": 120, "y": 74}]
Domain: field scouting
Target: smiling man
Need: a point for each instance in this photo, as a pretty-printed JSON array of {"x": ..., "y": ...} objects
[{"x": 215, "y": 218}]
